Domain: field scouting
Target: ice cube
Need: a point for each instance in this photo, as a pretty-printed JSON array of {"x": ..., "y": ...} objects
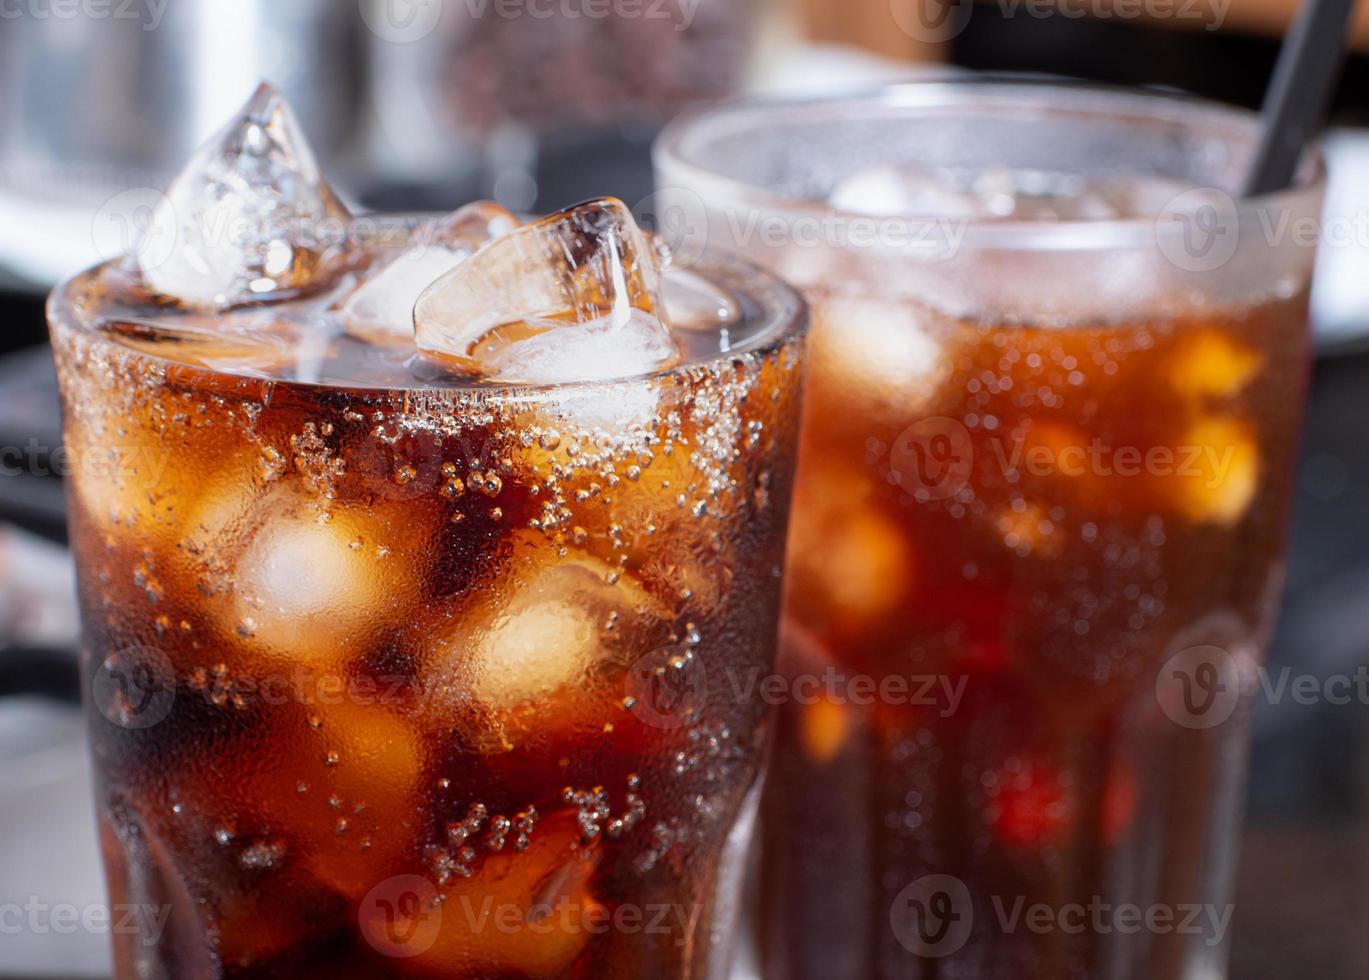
[
  {"x": 889, "y": 189},
  {"x": 850, "y": 562},
  {"x": 825, "y": 728},
  {"x": 542, "y": 641},
  {"x": 881, "y": 353},
  {"x": 541, "y": 895},
  {"x": 541, "y": 648},
  {"x": 471, "y": 227},
  {"x": 123, "y": 475},
  {"x": 996, "y": 192},
  {"x": 1221, "y": 471},
  {"x": 382, "y": 308},
  {"x": 573, "y": 297},
  {"x": 143, "y": 469},
  {"x": 1209, "y": 364},
  {"x": 249, "y": 218},
  {"x": 316, "y": 576},
  {"x": 551, "y": 351},
  {"x": 563, "y": 623},
  {"x": 370, "y": 760},
  {"x": 201, "y": 341},
  {"x": 1037, "y": 195}
]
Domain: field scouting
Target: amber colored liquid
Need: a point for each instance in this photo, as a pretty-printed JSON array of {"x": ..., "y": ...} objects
[
  {"x": 415, "y": 682},
  {"x": 1034, "y": 520}
]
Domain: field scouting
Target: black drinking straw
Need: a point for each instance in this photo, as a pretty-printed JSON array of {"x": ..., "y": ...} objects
[{"x": 1298, "y": 93}]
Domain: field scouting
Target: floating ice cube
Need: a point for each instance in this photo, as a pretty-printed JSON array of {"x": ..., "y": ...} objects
[
  {"x": 249, "y": 218},
  {"x": 997, "y": 192},
  {"x": 382, "y": 308},
  {"x": 573, "y": 297},
  {"x": 1221, "y": 475},
  {"x": 543, "y": 647},
  {"x": 200, "y": 340},
  {"x": 1207, "y": 364},
  {"x": 887, "y": 189},
  {"x": 552, "y": 351},
  {"x": 542, "y": 892},
  {"x": 882, "y": 353},
  {"x": 559, "y": 626},
  {"x": 849, "y": 563},
  {"x": 371, "y": 759},
  {"x": 1036, "y": 195},
  {"x": 315, "y": 578},
  {"x": 469, "y": 228}
]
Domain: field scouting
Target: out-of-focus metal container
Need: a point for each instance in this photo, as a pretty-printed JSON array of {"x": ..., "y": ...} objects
[{"x": 97, "y": 99}]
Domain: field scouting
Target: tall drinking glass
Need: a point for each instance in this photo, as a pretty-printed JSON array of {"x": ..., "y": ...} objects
[
  {"x": 1057, "y": 372},
  {"x": 411, "y": 560}
]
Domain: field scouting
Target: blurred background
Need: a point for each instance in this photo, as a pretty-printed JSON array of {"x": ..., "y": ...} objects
[{"x": 426, "y": 104}]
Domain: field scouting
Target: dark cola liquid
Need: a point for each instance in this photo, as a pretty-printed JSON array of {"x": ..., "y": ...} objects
[
  {"x": 1060, "y": 551},
  {"x": 395, "y": 675}
]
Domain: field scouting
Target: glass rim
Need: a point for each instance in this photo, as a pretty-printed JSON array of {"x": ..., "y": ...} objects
[
  {"x": 1051, "y": 93},
  {"x": 785, "y": 317}
]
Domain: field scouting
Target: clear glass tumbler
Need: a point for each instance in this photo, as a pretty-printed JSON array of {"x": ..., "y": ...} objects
[
  {"x": 396, "y": 672},
  {"x": 1057, "y": 372}
]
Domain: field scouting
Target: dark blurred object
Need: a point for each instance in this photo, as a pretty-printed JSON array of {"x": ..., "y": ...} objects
[
  {"x": 558, "y": 73},
  {"x": 104, "y": 103},
  {"x": 31, "y": 493},
  {"x": 22, "y": 309},
  {"x": 45, "y": 673},
  {"x": 1225, "y": 65},
  {"x": 1301, "y": 889},
  {"x": 538, "y": 107}
]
